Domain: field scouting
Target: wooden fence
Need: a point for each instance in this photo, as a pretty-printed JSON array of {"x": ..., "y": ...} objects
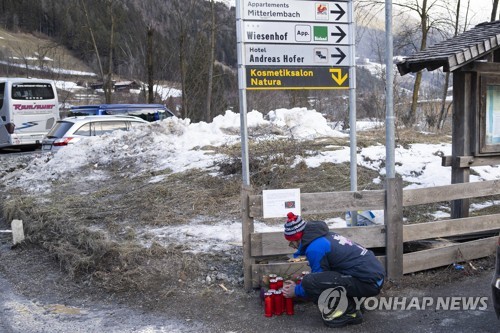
[{"x": 260, "y": 247}]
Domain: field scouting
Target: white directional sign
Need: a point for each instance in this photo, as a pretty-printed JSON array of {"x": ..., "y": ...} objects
[
  {"x": 292, "y": 32},
  {"x": 296, "y": 55},
  {"x": 302, "y": 11}
]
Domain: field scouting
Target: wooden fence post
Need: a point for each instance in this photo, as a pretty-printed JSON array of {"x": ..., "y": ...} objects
[
  {"x": 247, "y": 230},
  {"x": 393, "y": 217}
]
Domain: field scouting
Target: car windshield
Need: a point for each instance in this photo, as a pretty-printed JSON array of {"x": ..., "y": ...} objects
[{"x": 59, "y": 129}]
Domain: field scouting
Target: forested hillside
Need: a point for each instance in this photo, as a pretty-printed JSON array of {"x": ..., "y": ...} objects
[
  {"x": 169, "y": 42},
  {"x": 111, "y": 36}
]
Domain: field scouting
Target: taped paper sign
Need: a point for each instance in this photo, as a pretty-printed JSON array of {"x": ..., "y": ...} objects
[{"x": 277, "y": 203}]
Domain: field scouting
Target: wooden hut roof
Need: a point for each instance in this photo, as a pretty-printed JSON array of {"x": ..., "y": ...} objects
[{"x": 455, "y": 52}]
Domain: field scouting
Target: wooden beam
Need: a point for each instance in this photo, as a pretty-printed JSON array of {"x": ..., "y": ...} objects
[
  {"x": 444, "y": 256},
  {"x": 470, "y": 161},
  {"x": 462, "y": 133},
  {"x": 453, "y": 227},
  {"x": 421, "y": 196},
  {"x": 283, "y": 269},
  {"x": 329, "y": 202},
  {"x": 485, "y": 67},
  {"x": 273, "y": 243},
  {"x": 394, "y": 225}
]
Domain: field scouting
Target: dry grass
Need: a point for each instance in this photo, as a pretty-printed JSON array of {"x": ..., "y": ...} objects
[{"x": 92, "y": 228}]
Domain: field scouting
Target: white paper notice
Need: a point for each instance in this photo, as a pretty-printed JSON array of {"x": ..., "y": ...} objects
[{"x": 277, "y": 203}]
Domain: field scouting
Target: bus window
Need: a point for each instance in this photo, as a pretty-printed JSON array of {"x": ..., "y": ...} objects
[
  {"x": 32, "y": 91},
  {"x": 2, "y": 89}
]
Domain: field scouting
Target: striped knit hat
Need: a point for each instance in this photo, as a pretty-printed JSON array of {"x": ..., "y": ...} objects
[{"x": 294, "y": 227}]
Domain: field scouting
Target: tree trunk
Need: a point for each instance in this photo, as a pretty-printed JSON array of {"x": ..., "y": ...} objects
[
  {"x": 208, "y": 115},
  {"x": 149, "y": 66},
  {"x": 442, "y": 117},
  {"x": 418, "y": 78},
  {"x": 94, "y": 44},
  {"x": 183, "y": 65},
  {"x": 109, "y": 77},
  {"x": 494, "y": 10}
]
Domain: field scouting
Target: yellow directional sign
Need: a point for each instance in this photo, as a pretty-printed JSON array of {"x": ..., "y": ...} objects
[
  {"x": 288, "y": 78},
  {"x": 337, "y": 75}
]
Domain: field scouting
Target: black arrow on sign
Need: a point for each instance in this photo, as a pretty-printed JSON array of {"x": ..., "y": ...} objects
[
  {"x": 341, "y": 55},
  {"x": 341, "y": 34},
  {"x": 341, "y": 12}
]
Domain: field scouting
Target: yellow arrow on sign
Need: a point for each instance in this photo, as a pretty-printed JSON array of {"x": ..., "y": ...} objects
[{"x": 337, "y": 76}]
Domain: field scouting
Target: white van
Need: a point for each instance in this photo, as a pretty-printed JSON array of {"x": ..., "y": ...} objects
[{"x": 28, "y": 110}]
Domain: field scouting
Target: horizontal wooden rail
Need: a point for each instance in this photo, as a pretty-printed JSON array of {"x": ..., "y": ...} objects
[
  {"x": 329, "y": 202},
  {"x": 443, "y": 256},
  {"x": 284, "y": 269},
  {"x": 412, "y": 262},
  {"x": 453, "y": 227},
  {"x": 469, "y": 161},
  {"x": 273, "y": 243},
  {"x": 422, "y": 196}
]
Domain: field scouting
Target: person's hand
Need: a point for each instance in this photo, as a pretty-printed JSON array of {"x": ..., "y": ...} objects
[{"x": 289, "y": 289}]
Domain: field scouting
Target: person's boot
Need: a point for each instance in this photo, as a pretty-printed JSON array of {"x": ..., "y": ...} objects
[{"x": 351, "y": 316}]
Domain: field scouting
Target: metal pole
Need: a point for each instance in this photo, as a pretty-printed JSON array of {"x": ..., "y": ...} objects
[
  {"x": 243, "y": 96},
  {"x": 352, "y": 110},
  {"x": 389, "y": 106}
]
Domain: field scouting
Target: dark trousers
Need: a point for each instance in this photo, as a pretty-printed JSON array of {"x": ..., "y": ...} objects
[{"x": 315, "y": 283}]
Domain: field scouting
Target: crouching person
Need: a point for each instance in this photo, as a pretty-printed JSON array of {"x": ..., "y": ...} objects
[{"x": 341, "y": 271}]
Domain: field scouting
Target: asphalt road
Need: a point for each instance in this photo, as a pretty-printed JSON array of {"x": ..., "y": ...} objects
[{"x": 20, "y": 314}]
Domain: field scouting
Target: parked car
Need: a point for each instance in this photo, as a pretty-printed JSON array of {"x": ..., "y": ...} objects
[
  {"x": 148, "y": 112},
  {"x": 70, "y": 130},
  {"x": 495, "y": 284}
]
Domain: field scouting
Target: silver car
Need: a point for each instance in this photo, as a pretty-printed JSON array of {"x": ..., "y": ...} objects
[{"x": 70, "y": 130}]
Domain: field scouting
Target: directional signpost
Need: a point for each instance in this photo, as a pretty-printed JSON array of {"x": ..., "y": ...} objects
[
  {"x": 275, "y": 78},
  {"x": 292, "y": 32},
  {"x": 293, "y": 44},
  {"x": 295, "y": 35},
  {"x": 294, "y": 10}
]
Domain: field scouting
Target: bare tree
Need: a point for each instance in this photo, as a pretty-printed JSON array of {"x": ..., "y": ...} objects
[
  {"x": 94, "y": 43},
  {"x": 430, "y": 16},
  {"x": 108, "y": 84},
  {"x": 494, "y": 10},
  {"x": 444, "y": 109},
  {"x": 182, "y": 12},
  {"x": 211, "y": 63},
  {"x": 108, "y": 77},
  {"x": 149, "y": 64}
]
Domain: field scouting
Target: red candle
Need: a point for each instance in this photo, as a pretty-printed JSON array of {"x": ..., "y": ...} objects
[
  {"x": 279, "y": 282},
  {"x": 268, "y": 304},
  {"x": 278, "y": 303},
  {"x": 273, "y": 284},
  {"x": 289, "y": 306}
]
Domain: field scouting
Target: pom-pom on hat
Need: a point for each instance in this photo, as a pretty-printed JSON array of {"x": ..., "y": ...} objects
[{"x": 294, "y": 227}]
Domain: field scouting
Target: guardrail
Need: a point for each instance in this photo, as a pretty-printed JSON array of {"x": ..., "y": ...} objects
[{"x": 391, "y": 236}]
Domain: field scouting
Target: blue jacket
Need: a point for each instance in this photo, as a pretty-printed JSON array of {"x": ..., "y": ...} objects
[{"x": 328, "y": 251}]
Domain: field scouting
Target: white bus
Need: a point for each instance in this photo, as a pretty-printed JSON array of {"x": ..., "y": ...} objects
[{"x": 28, "y": 110}]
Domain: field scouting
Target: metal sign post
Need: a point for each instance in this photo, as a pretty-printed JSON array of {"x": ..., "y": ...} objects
[{"x": 242, "y": 95}]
